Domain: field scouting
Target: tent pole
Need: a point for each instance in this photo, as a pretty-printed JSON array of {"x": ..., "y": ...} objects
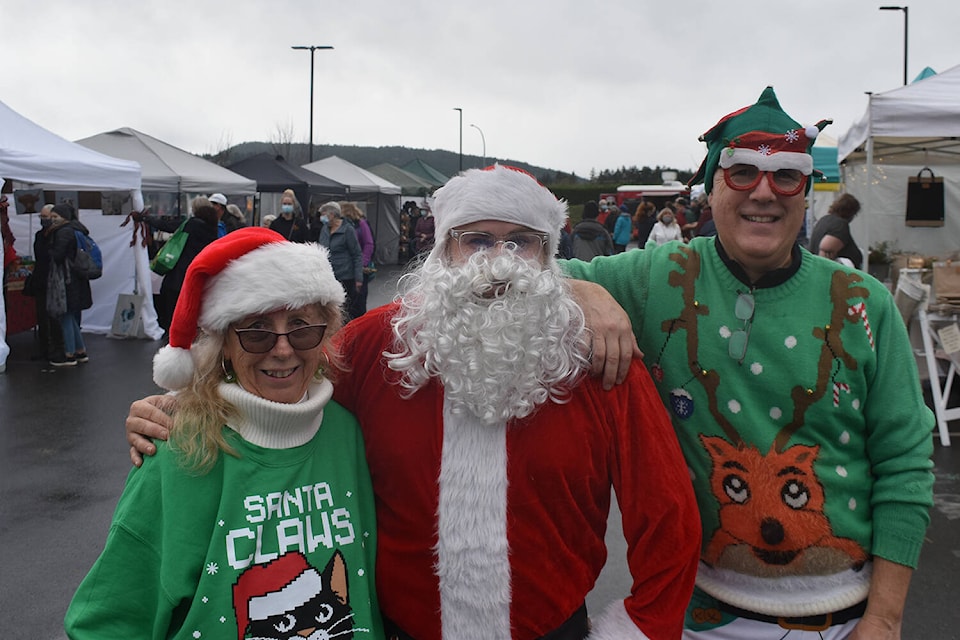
[{"x": 869, "y": 188}]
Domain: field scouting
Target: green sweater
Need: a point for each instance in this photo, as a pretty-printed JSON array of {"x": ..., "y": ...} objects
[
  {"x": 189, "y": 555},
  {"x": 812, "y": 454}
]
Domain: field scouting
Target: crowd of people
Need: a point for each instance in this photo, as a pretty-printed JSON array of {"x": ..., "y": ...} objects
[
  {"x": 607, "y": 229},
  {"x": 61, "y": 290},
  {"x": 351, "y": 246}
]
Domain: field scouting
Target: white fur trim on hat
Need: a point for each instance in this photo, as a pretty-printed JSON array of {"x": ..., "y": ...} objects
[
  {"x": 281, "y": 275},
  {"x": 768, "y": 162},
  {"x": 250, "y": 271},
  {"x": 294, "y": 594},
  {"x": 500, "y": 193},
  {"x": 172, "y": 368}
]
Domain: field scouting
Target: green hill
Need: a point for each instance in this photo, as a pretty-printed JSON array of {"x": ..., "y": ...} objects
[{"x": 446, "y": 162}]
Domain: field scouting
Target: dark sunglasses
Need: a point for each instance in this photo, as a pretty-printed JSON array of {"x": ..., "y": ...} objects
[{"x": 262, "y": 341}]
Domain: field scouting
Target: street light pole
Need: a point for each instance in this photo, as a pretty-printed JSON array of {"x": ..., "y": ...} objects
[
  {"x": 906, "y": 11},
  {"x": 311, "y": 48},
  {"x": 484, "y": 141},
  {"x": 461, "y": 136}
]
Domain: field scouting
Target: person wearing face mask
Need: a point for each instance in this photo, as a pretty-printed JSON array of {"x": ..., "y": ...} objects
[
  {"x": 666, "y": 228},
  {"x": 49, "y": 333},
  {"x": 346, "y": 256},
  {"x": 290, "y": 223}
]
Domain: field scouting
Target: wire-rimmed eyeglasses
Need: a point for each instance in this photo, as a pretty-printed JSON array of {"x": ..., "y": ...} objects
[
  {"x": 743, "y": 310},
  {"x": 746, "y": 177},
  {"x": 526, "y": 244},
  {"x": 262, "y": 340}
]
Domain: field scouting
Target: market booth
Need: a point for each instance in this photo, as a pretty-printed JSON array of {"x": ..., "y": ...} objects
[
  {"x": 902, "y": 161},
  {"x": 34, "y": 160},
  {"x": 904, "y": 131}
]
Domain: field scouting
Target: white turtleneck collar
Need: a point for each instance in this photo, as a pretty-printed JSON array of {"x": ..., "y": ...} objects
[{"x": 275, "y": 425}]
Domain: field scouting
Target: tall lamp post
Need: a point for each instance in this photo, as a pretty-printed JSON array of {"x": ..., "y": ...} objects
[
  {"x": 311, "y": 48},
  {"x": 461, "y": 136},
  {"x": 484, "y": 141},
  {"x": 905, "y": 20}
]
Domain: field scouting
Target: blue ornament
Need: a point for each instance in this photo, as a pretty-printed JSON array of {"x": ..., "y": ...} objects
[{"x": 681, "y": 403}]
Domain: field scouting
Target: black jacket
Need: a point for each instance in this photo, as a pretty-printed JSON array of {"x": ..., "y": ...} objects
[{"x": 63, "y": 248}]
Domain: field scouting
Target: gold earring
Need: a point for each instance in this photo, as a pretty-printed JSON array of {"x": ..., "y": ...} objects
[
  {"x": 321, "y": 370},
  {"x": 228, "y": 376}
]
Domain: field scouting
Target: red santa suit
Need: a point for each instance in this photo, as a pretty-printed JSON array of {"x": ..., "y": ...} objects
[{"x": 536, "y": 493}]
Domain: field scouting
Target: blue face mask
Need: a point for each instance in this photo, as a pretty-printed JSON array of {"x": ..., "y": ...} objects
[
  {"x": 324, "y": 219},
  {"x": 286, "y": 208}
]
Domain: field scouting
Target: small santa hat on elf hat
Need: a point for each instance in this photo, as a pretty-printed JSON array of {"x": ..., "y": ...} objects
[
  {"x": 762, "y": 135},
  {"x": 252, "y": 270}
]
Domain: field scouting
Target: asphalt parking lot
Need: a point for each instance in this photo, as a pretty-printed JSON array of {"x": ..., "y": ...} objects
[{"x": 64, "y": 461}]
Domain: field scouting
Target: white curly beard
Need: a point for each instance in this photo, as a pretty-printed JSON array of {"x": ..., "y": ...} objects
[{"x": 501, "y": 333}]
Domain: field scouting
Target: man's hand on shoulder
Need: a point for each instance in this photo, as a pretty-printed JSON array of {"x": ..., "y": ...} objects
[
  {"x": 149, "y": 418},
  {"x": 614, "y": 344}
]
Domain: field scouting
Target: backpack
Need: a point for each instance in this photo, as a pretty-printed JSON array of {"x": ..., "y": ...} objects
[
  {"x": 88, "y": 263},
  {"x": 590, "y": 239}
]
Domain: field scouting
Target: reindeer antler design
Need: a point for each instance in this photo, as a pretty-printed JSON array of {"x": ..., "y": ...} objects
[
  {"x": 842, "y": 288},
  {"x": 685, "y": 280}
]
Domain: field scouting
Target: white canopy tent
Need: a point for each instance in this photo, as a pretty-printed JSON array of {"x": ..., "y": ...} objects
[
  {"x": 35, "y": 158},
  {"x": 167, "y": 168},
  {"x": 381, "y": 197},
  {"x": 904, "y": 130}
]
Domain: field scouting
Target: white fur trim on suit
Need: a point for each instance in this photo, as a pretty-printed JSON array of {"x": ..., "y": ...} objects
[
  {"x": 615, "y": 624},
  {"x": 473, "y": 563},
  {"x": 279, "y": 275}
]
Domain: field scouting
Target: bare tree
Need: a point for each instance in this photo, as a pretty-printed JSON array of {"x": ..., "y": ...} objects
[
  {"x": 282, "y": 140},
  {"x": 222, "y": 150}
]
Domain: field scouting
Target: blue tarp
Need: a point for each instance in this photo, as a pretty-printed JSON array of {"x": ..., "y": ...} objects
[{"x": 825, "y": 161}]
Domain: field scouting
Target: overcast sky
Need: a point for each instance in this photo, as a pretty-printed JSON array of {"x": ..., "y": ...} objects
[{"x": 570, "y": 85}]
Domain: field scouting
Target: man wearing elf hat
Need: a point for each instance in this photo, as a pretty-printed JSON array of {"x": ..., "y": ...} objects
[
  {"x": 493, "y": 453},
  {"x": 794, "y": 394}
]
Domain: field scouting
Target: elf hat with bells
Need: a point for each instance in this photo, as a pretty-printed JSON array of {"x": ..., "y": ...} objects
[{"x": 762, "y": 135}]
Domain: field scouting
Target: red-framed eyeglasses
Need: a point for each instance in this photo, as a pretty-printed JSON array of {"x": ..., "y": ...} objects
[{"x": 746, "y": 177}]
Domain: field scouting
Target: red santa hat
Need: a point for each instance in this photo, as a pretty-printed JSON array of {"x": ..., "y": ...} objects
[
  {"x": 252, "y": 270},
  {"x": 502, "y": 193},
  {"x": 267, "y": 590}
]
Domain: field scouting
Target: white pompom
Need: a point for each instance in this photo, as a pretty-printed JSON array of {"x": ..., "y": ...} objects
[
  {"x": 172, "y": 368},
  {"x": 812, "y": 132}
]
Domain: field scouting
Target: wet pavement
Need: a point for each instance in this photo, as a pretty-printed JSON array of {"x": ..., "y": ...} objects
[{"x": 63, "y": 463}]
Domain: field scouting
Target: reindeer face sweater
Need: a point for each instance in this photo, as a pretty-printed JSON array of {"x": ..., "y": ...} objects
[{"x": 810, "y": 449}]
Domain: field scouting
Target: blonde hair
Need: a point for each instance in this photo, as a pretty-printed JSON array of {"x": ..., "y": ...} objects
[
  {"x": 198, "y": 425},
  {"x": 352, "y": 211}
]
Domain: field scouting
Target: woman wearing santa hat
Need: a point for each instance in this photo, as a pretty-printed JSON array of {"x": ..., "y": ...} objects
[{"x": 258, "y": 518}]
